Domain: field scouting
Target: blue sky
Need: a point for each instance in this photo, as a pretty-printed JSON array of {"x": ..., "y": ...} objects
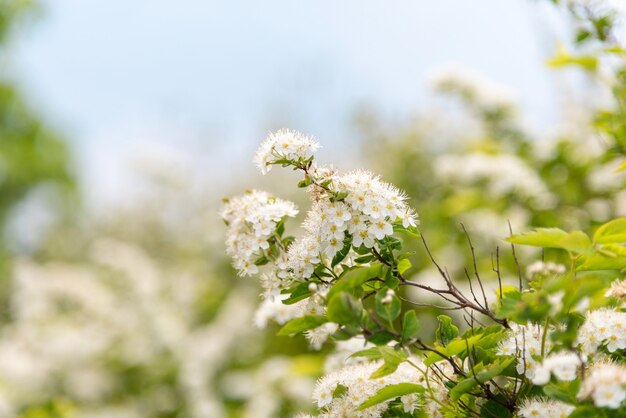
[{"x": 210, "y": 78}]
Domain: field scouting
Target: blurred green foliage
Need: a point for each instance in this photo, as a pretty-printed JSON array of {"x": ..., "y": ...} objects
[{"x": 31, "y": 154}]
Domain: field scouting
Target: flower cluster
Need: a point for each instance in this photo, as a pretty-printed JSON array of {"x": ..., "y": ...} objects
[
  {"x": 564, "y": 365},
  {"x": 540, "y": 269},
  {"x": 356, "y": 386},
  {"x": 364, "y": 216},
  {"x": 252, "y": 220},
  {"x": 502, "y": 175},
  {"x": 605, "y": 384},
  {"x": 524, "y": 342},
  {"x": 273, "y": 308},
  {"x": 603, "y": 327},
  {"x": 542, "y": 408},
  {"x": 282, "y": 146},
  {"x": 617, "y": 290},
  {"x": 470, "y": 85}
]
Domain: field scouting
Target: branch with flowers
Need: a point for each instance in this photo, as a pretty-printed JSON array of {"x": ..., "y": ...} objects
[{"x": 551, "y": 348}]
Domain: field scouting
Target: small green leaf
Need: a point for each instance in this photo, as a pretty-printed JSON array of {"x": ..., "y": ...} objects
[
  {"x": 613, "y": 232},
  {"x": 540, "y": 237},
  {"x": 411, "y": 231},
  {"x": 462, "y": 387},
  {"x": 410, "y": 326},
  {"x": 601, "y": 261},
  {"x": 298, "y": 293},
  {"x": 380, "y": 338},
  {"x": 354, "y": 279},
  {"x": 344, "y": 309},
  {"x": 304, "y": 323},
  {"x": 453, "y": 348},
  {"x": 384, "y": 370},
  {"x": 392, "y": 355},
  {"x": 391, "y": 392},
  {"x": 392, "y": 358},
  {"x": 480, "y": 375},
  {"x": 364, "y": 259},
  {"x": 491, "y": 408},
  {"x": 305, "y": 182},
  {"x": 387, "y": 306},
  {"x": 446, "y": 331},
  {"x": 341, "y": 254},
  {"x": 404, "y": 265},
  {"x": 577, "y": 241},
  {"x": 371, "y": 353},
  {"x": 563, "y": 58},
  {"x": 563, "y": 391},
  {"x": 493, "y": 370},
  {"x": 586, "y": 411}
]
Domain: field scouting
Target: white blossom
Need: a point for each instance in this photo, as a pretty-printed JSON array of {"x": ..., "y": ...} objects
[
  {"x": 484, "y": 92},
  {"x": 284, "y": 144},
  {"x": 563, "y": 365},
  {"x": 617, "y": 289},
  {"x": 501, "y": 174},
  {"x": 603, "y": 326},
  {"x": 360, "y": 387},
  {"x": 544, "y": 269},
  {"x": 542, "y": 408},
  {"x": 524, "y": 342},
  {"x": 252, "y": 220},
  {"x": 605, "y": 384}
]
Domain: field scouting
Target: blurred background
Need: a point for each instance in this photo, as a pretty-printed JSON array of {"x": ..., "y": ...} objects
[{"x": 124, "y": 124}]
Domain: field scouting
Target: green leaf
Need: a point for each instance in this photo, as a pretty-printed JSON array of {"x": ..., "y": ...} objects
[
  {"x": 392, "y": 355},
  {"x": 371, "y": 353},
  {"x": 540, "y": 237},
  {"x": 305, "y": 182},
  {"x": 586, "y": 411},
  {"x": 557, "y": 393},
  {"x": 304, "y": 323},
  {"x": 492, "y": 409},
  {"x": 562, "y": 59},
  {"x": 392, "y": 358},
  {"x": 600, "y": 261},
  {"x": 482, "y": 375},
  {"x": 576, "y": 241},
  {"x": 298, "y": 293},
  {"x": 410, "y": 326},
  {"x": 446, "y": 331},
  {"x": 389, "y": 310},
  {"x": 384, "y": 370},
  {"x": 462, "y": 387},
  {"x": 344, "y": 309},
  {"x": 404, "y": 265},
  {"x": 354, "y": 279},
  {"x": 380, "y": 338},
  {"x": 364, "y": 259},
  {"x": 391, "y": 392},
  {"x": 453, "y": 348},
  {"x": 341, "y": 254},
  {"x": 493, "y": 370},
  {"x": 563, "y": 391},
  {"x": 411, "y": 231},
  {"x": 613, "y": 232}
]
